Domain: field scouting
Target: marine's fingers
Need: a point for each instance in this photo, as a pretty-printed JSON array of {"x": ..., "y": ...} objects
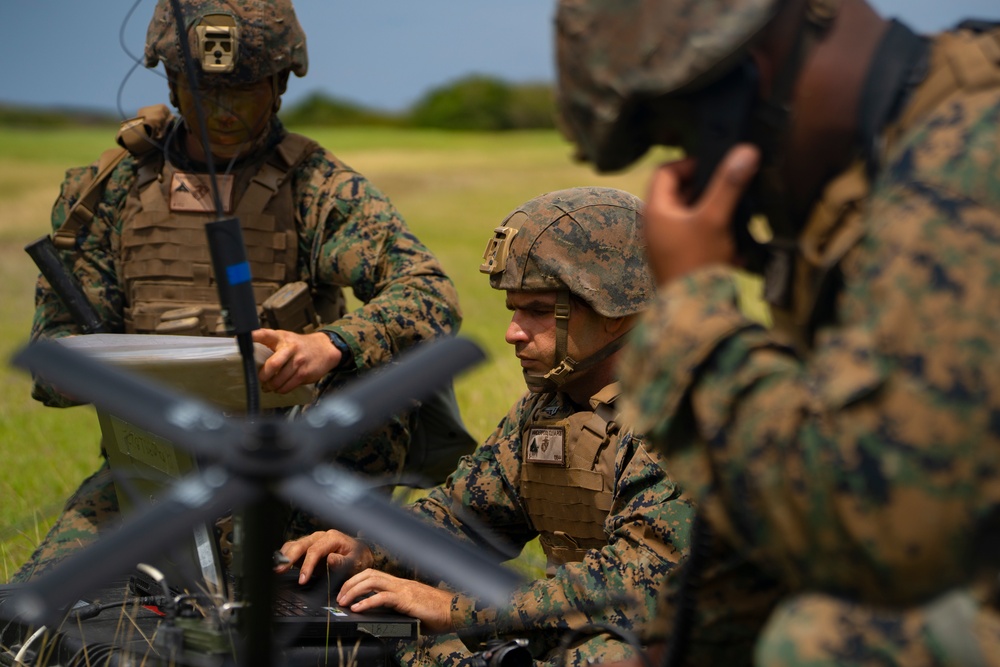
[
  {"x": 266, "y": 337},
  {"x": 667, "y": 187},
  {"x": 729, "y": 183}
]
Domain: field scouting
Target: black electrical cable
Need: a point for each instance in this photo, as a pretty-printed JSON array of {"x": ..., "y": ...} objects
[
  {"x": 94, "y": 608},
  {"x": 137, "y": 62}
]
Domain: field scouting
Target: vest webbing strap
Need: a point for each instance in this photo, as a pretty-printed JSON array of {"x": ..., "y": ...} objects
[
  {"x": 900, "y": 64},
  {"x": 292, "y": 150},
  {"x": 84, "y": 209},
  {"x": 140, "y": 134},
  {"x": 973, "y": 63}
]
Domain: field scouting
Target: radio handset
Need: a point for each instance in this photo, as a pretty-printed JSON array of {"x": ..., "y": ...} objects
[{"x": 725, "y": 112}]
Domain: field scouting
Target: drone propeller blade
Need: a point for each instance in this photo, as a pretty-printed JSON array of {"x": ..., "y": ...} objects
[
  {"x": 338, "y": 421},
  {"x": 352, "y": 506},
  {"x": 194, "y": 500},
  {"x": 191, "y": 424}
]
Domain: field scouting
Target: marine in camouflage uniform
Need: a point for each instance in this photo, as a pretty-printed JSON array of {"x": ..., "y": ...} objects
[
  {"x": 852, "y": 450},
  {"x": 610, "y": 520},
  {"x": 322, "y": 223}
]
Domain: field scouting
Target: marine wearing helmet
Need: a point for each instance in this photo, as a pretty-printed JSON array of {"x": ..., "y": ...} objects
[
  {"x": 686, "y": 73},
  {"x": 561, "y": 464},
  {"x": 241, "y": 55},
  {"x": 132, "y": 227},
  {"x": 580, "y": 244}
]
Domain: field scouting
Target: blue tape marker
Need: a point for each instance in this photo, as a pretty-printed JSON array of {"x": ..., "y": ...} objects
[{"x": 238, "y": 273}]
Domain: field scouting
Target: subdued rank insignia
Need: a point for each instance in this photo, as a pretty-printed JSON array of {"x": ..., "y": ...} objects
[
  {"x": 546, "y": 445},
  {"x": 192, "y": 193},
  {"x": 550, "y": 411}
]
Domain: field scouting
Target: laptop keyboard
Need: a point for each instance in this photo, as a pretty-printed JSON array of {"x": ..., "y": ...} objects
[
  {"x": 287, "y": 603},
  {"x": 283, "y": 606}
]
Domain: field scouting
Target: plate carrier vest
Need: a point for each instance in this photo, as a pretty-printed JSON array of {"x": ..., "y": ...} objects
[
  {"x": 568, "y": 502},
  {"x": 165, "y": 263}
]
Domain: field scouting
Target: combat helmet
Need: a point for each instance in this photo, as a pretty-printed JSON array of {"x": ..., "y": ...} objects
[
  {"x": 243, "y": 41},
  {"x": 581, "y": 241},
  {"x": 619, "y": 58}
]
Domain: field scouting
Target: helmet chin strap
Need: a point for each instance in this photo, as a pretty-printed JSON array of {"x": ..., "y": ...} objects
[{"x": 556, "y": 378}]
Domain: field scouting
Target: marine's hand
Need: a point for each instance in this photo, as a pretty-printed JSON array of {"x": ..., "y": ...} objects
[
  {"x": 298, "y": 358},
  {"x": 431, "y": 605},
  {"x": 683, "y": 236},
  {"x": 654, "y": 656},
  {"x": 332, "y": 547}
]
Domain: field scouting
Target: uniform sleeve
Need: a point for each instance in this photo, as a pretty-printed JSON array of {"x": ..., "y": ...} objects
[
  {"x": 450, "y": 651},
  {"x": 358, "y": 240},
  {"x": 481, "y": 492},
  {"x": 863, "y": 467},
  {"x": 648, "y": 532},
  {"x": 93, "y": 263}
]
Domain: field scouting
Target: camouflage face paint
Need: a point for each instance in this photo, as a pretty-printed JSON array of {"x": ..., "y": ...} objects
[{"x": 236, "y": 117}]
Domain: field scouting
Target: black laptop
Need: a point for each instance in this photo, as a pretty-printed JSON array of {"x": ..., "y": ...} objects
[{"x": 311, "y": 612}]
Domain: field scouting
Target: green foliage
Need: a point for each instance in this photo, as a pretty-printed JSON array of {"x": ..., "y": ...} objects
[
  {"x": 532, "y": 106},
  {"x": 321, "y": 109},
  {"x": 484, "y": 103},
  {"x": 32, "y": 117},
  {"x": 474, "y": 102}
]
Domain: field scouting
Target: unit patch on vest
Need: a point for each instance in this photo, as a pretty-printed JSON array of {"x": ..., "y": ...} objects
[
  {"x": 546, "y": 444},
  {"x": 192, "y": 193}
]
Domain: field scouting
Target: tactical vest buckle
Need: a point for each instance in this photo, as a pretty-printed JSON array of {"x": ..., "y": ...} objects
[{"x": 560, "y": 373}]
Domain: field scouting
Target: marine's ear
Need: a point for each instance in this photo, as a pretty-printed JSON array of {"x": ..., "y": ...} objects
[{"x": 619, "y": 325}]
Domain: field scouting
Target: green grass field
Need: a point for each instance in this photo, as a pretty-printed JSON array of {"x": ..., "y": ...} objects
[{"x": 453, "y": 188}]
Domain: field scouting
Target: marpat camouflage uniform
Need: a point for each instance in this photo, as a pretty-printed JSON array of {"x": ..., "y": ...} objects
[
  {"x": 349, "y": 235},
  {"x": 815, "y": 630},
  {"x": 647, "y": 534},
  {"x": 864, "y": 464}
]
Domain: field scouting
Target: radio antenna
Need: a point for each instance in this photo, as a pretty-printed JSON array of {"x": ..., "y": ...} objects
[
  {"x": 193, "y": 78},
  {"x": 225, "y": 240}
]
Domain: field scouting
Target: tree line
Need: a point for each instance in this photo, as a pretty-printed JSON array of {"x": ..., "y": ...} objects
[{"x": 474, "y": 102}]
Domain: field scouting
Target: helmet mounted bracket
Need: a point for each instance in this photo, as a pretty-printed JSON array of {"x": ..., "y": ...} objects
[{"x": 218, "y": 43}]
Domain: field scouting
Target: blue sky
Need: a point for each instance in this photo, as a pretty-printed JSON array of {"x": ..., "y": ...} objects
[{"x": 382, "y": 53}]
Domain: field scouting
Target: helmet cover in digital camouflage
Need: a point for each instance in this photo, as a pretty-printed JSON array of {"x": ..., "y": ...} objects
[
  {"x": 584, "y": 240},
  {"x": 614, "y": 53},
  {"x": 235, "y": 42}
]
